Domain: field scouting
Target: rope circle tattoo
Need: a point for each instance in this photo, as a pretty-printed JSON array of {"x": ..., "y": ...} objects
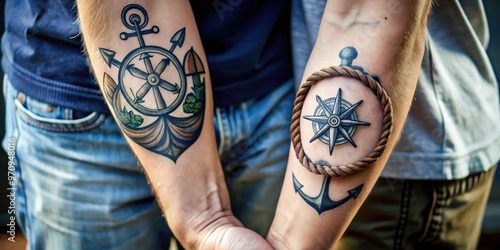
[{"x": 385, "y": 102}]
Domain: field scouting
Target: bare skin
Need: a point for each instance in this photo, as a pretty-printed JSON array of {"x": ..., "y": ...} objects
[{"x": 389, "y": 38}]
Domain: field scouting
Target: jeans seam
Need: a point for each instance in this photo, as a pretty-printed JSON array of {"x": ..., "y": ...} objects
[
  {"x": 404, "y": 210},
  {"x": 67, "y": 116},
  {"x": 4, "y": 87},
  {"x": 221, "y": 131},
  {"x": 437, "y": 219},
  {"x": 86, "y": 125},
  {"x": 244, "y": 112},
  {"x": 428, "y": 218},
  {"x": 48, "y": 127},
  {"x": 26, "y": 224}
]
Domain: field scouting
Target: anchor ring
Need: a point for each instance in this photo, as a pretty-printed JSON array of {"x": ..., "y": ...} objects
[{"x": 134, "y": 18}]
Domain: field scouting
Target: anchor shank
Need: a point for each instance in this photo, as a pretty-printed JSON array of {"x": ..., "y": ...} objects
[
  {"x": 139, "y": 35},
  {"x": 140, "y": 38}
]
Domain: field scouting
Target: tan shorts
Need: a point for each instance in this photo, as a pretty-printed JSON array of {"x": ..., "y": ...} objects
[{"x": 414, "y": 214}]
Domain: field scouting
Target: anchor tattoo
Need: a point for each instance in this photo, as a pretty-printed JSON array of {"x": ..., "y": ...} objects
[
  {"x": 322, "y": 201},
  {"x": 150, "y": 89},
  {"x": 334, "y": 122}
]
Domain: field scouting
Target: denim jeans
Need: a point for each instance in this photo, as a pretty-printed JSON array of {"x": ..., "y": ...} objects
[{"x": 79, "y": 185}]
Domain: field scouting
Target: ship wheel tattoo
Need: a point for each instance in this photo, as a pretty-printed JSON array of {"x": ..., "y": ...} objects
[
  {"x": 153, "y": 83},
  {"x": 334, "y": 121}
]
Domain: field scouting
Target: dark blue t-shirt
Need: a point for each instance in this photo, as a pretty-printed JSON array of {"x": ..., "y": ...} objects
[{"x": 246, "y": 43}]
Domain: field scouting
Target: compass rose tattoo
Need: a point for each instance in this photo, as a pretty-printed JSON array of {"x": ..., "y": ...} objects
[
  {"x": 334, "y": 121},
  {"x": 153, "y": 83}
]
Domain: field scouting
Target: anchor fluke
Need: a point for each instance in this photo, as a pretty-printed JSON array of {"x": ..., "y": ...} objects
[
  {"x": 322, "y": 201},
  {"x": 355, "y": 191}
]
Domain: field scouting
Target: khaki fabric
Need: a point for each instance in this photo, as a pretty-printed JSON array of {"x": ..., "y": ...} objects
[{"x": 409, "y": 214}]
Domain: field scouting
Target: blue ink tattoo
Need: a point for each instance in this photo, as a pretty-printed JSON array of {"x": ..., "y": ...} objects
[{"x": 150, "y": 89}]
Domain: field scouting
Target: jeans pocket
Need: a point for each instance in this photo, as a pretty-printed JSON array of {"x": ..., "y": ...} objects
[{"x": 55, "y": 118}]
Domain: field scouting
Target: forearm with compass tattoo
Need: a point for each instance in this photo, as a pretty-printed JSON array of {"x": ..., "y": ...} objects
[
  {"x": 151, "y": 68},
  {"x": 344, "y": 125}
]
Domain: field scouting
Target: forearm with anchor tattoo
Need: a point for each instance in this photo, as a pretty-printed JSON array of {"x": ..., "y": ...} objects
[
  {"x": 149, "y": 62},
  {"x": 154, "y": 82},
  {"x": 334, "y": 122},
  {"x": 344, "y": 126}
]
